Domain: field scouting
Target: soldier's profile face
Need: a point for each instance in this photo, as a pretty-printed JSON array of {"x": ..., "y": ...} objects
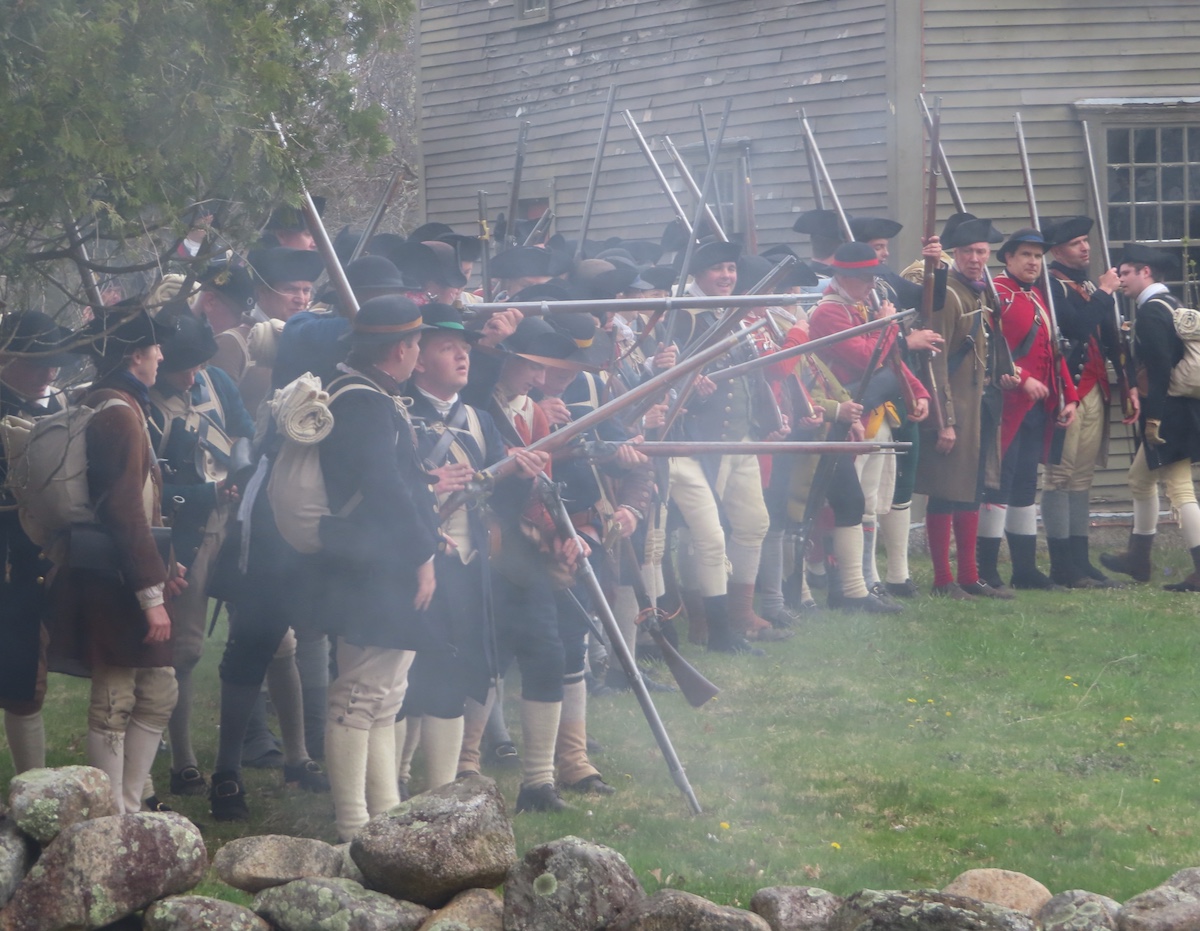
[
  {"x": 880, "y": 246},
  {"x": 520, "y": 376},
  {"x": 28, "y": 377},
  {"x": 1074, "y": 254}
]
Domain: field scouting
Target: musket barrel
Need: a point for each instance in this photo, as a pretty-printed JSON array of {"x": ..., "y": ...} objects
[
  {"x": 657, "y": 169},
  {"x": 594, "y": 180},
  {"x": 642, "y": 304},
  {"x": 686, "y": 174}
]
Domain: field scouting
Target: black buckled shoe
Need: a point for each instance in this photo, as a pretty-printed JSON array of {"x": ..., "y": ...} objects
[
  {"x": 188, "y": 781},
  {"x": 540, "y": 798},
  {"x": 227, "y": 798},
  {"x": 951, "y": 590},
  {"x": 307, "y": 775},
  {"x": 590, "y": 785},
  {"x": 906, "y": 589},
  {"x": 503, "y": 756}
]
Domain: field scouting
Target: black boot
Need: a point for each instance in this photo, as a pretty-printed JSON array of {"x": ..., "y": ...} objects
[
  {"x": 1022, "y": 548},
  {"x": 1192, "y": 582},
  {"x": 721, "y": 637},
  {"x": 1083, "y": 563},
  {"x": 1135, "y": 561},
  {"x": 1064, "y": 570},
  {"x": 987, "y": 558}
]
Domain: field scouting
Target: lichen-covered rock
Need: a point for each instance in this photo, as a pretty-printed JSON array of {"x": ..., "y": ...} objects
[
  {"x": 341, "y": 904},
  {"x": 568, "y": 885},
  {"x": 349, "y": 868},
  {"x": 200, "y": 913},
  {"x": 924, "y": 910},
  {"x": 253, "y": 864},
  {"x": 16, "y": 856},
  {"x": 1001, "y": 887},
  {"x": 45, "y": 802},
  {"x": 1078, "y": 910},
  {"x": 1187, "y": 879},
  {"x": 674, "y": 910},
  {"x": 796, "y": 908},
  {"x": 102, "y": 870},
  {"x": 473, "y": 910},
  {"x": 438, "y": 843},
  {"x": 1163, "y": 908}
]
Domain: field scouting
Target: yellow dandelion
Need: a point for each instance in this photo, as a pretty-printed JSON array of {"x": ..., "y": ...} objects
[
  {"x": 948, "y": 714},
  {"x": 930, "y": 701},
  {"x": 1120, "y": 745},
  {"x": 1068, "y": 678},
  {"x": 836, "y": 846},
  {"x": 724, "y": 825},
  {"x": 1156, "y": 780},
  {"x": 912, "y": 701},
  {"x": 1128, "y": 718},
  {"x": 1074, "y": 685}
]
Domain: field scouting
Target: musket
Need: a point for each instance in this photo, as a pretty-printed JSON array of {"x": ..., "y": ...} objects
[
  {"x": 813, "y": 176},
  {"x": 347, "y": 302},
  {"x": 751, "y": 224},
  {"x": 537, "y": 235},
  {"x": 694, "y": 686},
  {"x": 594, "y": 180},
  {"x": 701, "y": 204},
  {"x": 1005, "y": 361},
  {"x": 1102, "y": 230},
  {"x": 653, "y": 388},
  {"x": 663, "y": 183},
  {"x": 79, "y": 255},
  {"x": 485, "y": 248},
  {"x": 1035, "y": 222},
  {"x": 711, "y": 154},
  {"x": 804, "y": 349},
  {"x": 924, "y": 360},
  {"x": 514, "y": 189},
  {"x": 601, "y": 449},
  {"x": 377, "y": 215},
  {"x": 641, "y": 305},
  {"x": 689, "y": 181},
  {"x": 550, "y": 497}
]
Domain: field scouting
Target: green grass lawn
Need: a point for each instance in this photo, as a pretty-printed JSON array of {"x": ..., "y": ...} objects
[{"x": 1056, "y": 735}]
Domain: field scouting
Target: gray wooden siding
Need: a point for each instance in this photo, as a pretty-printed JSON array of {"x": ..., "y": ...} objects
[{"x": 480, "y": 73}]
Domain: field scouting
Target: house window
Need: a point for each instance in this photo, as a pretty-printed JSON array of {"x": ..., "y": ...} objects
[
  {"x": 728, "y": 197},
  {"x": 532, "y": 11},
  {"x": 1153, "y": 189}
]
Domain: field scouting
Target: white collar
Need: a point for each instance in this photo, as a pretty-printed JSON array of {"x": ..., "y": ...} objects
[
  {"x": 442, "y": 407},
  {"x": 1152, "y": 291}
]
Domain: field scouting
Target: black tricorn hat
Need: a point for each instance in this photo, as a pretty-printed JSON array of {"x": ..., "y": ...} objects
[
  {"x": 778, "y": 251},
  {"x": 427, "y": 231},
  {"x": 421, "y": 262},
  {"x": 190, "y": 345},
  {"x": 867, "y": 228},
  {"x": 713, "y": 252},
  {"x": 654, "y": 278},
  {"x": 34, "y": 335},
  {"x": 855, "y": 260},
  {"x": 120, "y": 328},
  {"x": 821, "y": 223},
  {"x": 442, "y": 318},
  {"x": 593, "y": 347},
  {"x": 1060, "y": 230},
  {"x": 642, "y": 251},
  {"x": 373, "y": 273},
  {"x": 383, "y": 320},
  {"x": 387, "y": 245},
  {"x": 230, "y": 278},
  {"x": 537, "y": 340},
  {"x": 751, "y": 269},
  {"x": 279, "y": 263},
  {"x": 522, "y": 262},
  {"x": 801, "y": 276},
  {"x": 1024, "y": 235},
  {"x": 469, "y": 248},
  {"x": 345, "y": 242},
  {"x": 963, "y": 229},
  {"x": 1136, "y": 253}
]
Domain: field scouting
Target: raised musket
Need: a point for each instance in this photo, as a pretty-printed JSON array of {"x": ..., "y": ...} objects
[
  {"x": 923, "y": 359},
  {"x": 594, "y": 180},
  {"x": 347, "y": 302},
  {"x": 663, "y": 183},
  {"x": 640, "y": 305},
  {"x": 653, "y": 388},
  {"x": 600, "y": 449},
  {"x": 377, "y": 214},
  {"x": 514, "y": 188},
  {"x": 1035, "y": 222},
  {"x": 690, "y": 182},
  {"x": 814, "y": 177},
  {"x": 1123, "y": 351},
  {"x": 485, "y": 248},
  {"x": 701, "y": 206},
  {"x": 804, "y": 349},
  {"x": 537, "y": 235},
  {"x": 1004, "y": 353},
  {"x": 550, "y": 497},
  {"x": 710, "y": 153}
]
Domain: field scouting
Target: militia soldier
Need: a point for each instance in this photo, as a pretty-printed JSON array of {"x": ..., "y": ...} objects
[
  {"x": 1031, "y": 414},
  {"x": 954, "y": 458},
  {"x": 116, "y": 624},
  {"x": 32, "y": 350},
  {"x": 1087, "y": 316},
  {"x": 1169, "y": 424},
  {"x": 201, "y": 433}
]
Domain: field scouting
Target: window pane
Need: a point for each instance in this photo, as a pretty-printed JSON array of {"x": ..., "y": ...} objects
[
  {"x": 1172, "y": 183},
  {"x": 1146, "y": 180},
  {"x": 1172, "y": 143},
  {"x": 1145, "y": 223},
  {"x": 1118, "y": 146},
  {"x": 1118, "y": 223},
  {"x": 1194, "y": 222},
  {"x": 1118, "y": 185},
  {"x": 1145, "y": 146},
  {"x": 1193, "y": 140},
  {"x": 1172, "y": 221},
  {"x": 1193, "y": 182}
]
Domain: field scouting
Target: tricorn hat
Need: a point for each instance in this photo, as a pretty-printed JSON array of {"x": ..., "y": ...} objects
[
  {"x": 292, "y": 218},
  {"x": 537, "y": 340},
  {"x": 963, "y": 229},
  {"x": 1136, "y": 253},
  {"x": 230, "y": 278},
  {"x": 1060, "y": 230},
  {"x": 120, "y": 328},
  {"x": 867, "y": 228},
  {"x": 713, "y": 252},
  {"x": 190, "y": 345},
  {"x": 279, "y": 263},
  {"x": 35, "y": 335},
  {"x": 523, "y": 262},
  {"x": 654, "y": 278}
]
